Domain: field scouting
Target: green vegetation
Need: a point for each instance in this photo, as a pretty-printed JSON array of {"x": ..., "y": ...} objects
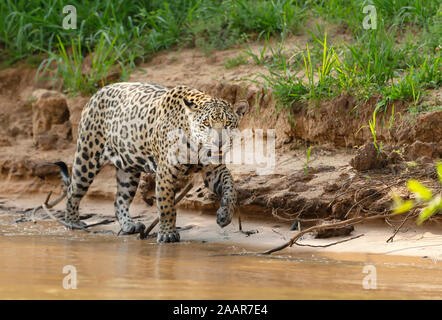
[
  {"x": 134, "y": 30},
  {"x": 399, "y": 60},
  {"x": 372, "y": 126},
  {"x": 235, "y": 61},
  {"x": 307, "y": 159},
  {"x": 431, "y": 204},
  {"x": 69, "y": 67},
  {"x": 375, "y": 62}
]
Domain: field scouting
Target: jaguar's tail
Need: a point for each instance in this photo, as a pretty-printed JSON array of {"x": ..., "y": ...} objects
[{"x": 64, "y": 173}]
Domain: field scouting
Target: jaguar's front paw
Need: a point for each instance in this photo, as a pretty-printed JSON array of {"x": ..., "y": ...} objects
[
  {"x": 224, "y": 216},
  {"x": 163, "y": 237},
  {"x": 131, "y": 227}
]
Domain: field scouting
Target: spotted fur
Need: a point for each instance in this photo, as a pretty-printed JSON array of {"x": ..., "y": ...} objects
[{"x": 129, "y": 125}]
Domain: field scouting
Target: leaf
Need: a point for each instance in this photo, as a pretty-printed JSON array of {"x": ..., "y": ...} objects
[
  {"x": 403, "y": 206},
  {"x": 432, "y": 207},
  {"x": 439, "y": 170},
  {"x": 419, "y": 190}
]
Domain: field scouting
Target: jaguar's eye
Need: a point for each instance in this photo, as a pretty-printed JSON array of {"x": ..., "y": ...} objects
[
  {"x": 228, "y": 123},
  {"x": 206, "y": 123}
]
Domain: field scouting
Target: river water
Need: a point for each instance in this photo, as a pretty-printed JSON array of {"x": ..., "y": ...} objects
[
  {"x": 106, "y": 267},
  {"x": 46, "y": 261}
]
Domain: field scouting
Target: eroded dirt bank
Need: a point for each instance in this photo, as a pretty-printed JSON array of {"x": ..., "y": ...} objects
[{"x": 343, "y": 177}]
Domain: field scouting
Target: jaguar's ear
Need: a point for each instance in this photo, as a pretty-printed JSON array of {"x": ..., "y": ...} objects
[
  {"x": 189, "y": 105},
  {"x": 241, "y": 108}
]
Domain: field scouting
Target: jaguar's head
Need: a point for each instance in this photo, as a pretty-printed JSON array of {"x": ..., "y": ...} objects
[{"x": 213, "y": 122}]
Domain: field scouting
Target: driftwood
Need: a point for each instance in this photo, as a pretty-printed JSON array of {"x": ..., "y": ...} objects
[
  {"x": 70, "y": 226},
  {"x": 294, "y": 240},
  {"x": 47, "y": 204}
]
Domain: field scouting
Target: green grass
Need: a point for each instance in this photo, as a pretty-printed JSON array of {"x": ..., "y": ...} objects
[
  {"x": 104, "y": 60},
  {"x": 398, "y": 61},
  {"x": 273, "y": 57},
  {"x": 32, "y": 27},
  {"x": 307, "y": 160},
  {"x": 235, "y": 61},
  {"x": 323, "y": 86}
]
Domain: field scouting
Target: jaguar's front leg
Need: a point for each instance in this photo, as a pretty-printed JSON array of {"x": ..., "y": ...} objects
[
  {"x": 165, "y": 195},
  {"x": 219, "y": 180}
]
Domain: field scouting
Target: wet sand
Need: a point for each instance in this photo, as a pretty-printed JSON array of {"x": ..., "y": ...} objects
[{"x": 32, "y": 258}]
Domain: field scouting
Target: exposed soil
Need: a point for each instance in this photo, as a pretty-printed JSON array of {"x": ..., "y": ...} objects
[{"x": 39, "y": 125}]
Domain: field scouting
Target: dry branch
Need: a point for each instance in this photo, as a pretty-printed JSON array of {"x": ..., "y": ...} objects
[
  {"x": 294, "y": 240},
  {"x": 409, "y": 215},
  {"x": 322, "y": 227},
  {"x": 247, "y": 233},
  {"x": 47, "y": 204},
  {"x": 70, "y": 226},
  {"x": 328, "y": 244}
]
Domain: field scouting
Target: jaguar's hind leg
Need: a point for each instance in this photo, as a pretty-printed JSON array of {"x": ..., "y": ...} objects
[{"x": 84, "y": 170}]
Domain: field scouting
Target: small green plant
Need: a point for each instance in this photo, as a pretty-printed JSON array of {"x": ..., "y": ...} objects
[
  {"x": 392, "y": 119},
  {"x": 235, "y": 61},
  {"x": 307, "y": 159},
  {"x": 432, "y": 204},
  {"x": 323, "y": 87},
  {"x": 258, "y": 58},
  {"x": 430, "y": 74},
  {"x": 372, "y": 127},
  {"x": 287, "y": 87},
  {"x": 411, "y": 87}
]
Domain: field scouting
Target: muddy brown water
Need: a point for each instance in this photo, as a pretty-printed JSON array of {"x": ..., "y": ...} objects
[{"x": 109, "y": 267}]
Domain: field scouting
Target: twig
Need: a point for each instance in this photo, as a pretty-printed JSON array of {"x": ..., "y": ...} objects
[
  {"x": 327, "y": 245},
  {"x": 247, "y": 233},
  {"x": 71, "y": 226},
  {"x": 293, "y": 240},
  {"x": 47, "y": 204},
  {"x": 105, "y": 221},
  {"x": 401, "y": 225},
  {"x": 279, "y": 233}
]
